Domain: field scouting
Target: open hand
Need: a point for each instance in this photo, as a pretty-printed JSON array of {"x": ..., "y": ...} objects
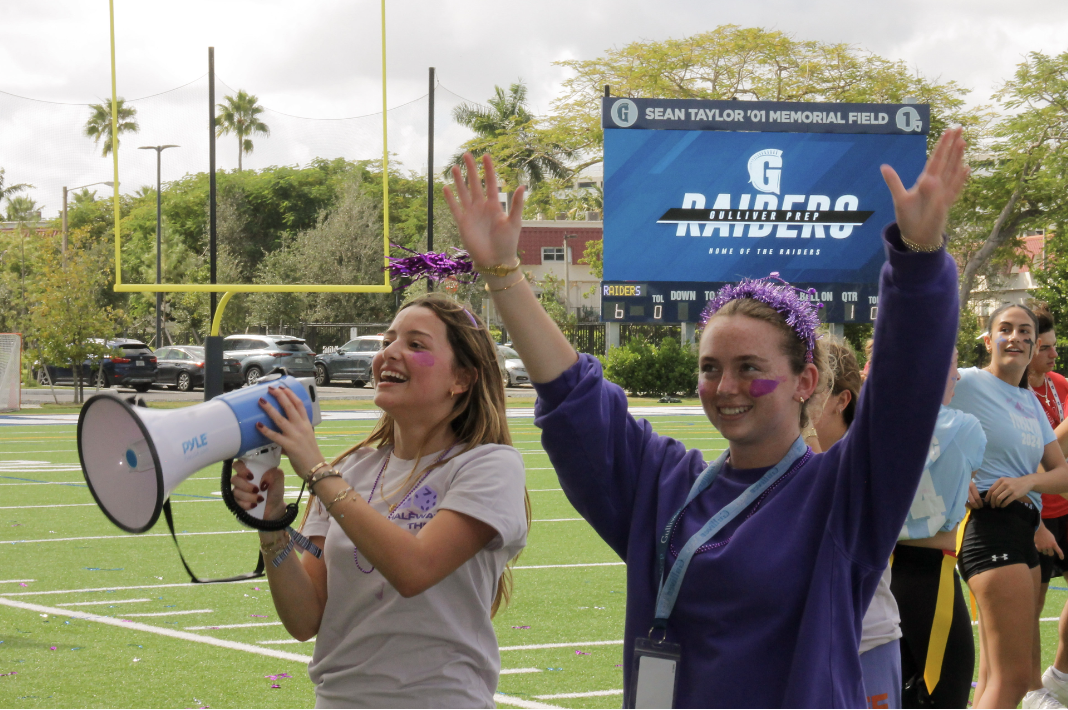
[
  {"x": 1047, "y": 543},
  {"x": 922, "y": 210},
  {"x": 295, "y": 434},
  {"x": 248, "y": 496},
  {"x": 489, "y": 235}
]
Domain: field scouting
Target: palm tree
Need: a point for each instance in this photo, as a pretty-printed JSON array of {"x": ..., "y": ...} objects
[
  {"x": 239, "y": 115},
  {"x": 6, "y": 193},
  {"x": 98, "y": 127},
  {"x": 22, "y": 209},
  {"x": 507, "y": 127}
]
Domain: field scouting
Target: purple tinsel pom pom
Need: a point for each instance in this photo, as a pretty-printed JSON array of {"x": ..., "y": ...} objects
[
  {"x": 801, "y": 315},
  {"x": 433, "y": 266}
]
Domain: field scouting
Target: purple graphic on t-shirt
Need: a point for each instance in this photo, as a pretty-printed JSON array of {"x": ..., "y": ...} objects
[{"x": 425, "y": 498}]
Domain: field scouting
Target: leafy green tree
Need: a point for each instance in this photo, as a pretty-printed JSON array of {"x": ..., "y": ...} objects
[
  {"x": 9, "y": 191},
  {"x": 240, "y": 115},
  {"x": 98, "y": 126},
  {"x": 506, "y": 127},
  {"x": 21, "y": 209},
  {"x": 68, "y": 321},
  {"x": 731, "y": 62},
  {"x": 1021, "y": 177}
]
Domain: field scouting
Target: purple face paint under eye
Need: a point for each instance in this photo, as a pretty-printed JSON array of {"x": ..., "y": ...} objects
[
  {"x": 759, "y": 388},
  {"x": 424, "y": 359}
]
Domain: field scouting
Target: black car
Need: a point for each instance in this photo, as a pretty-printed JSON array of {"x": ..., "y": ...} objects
[
  {"x": 352, "y": 361},
  {"x": 130, "y": 364},
  {"x": 182, "y": 367}
]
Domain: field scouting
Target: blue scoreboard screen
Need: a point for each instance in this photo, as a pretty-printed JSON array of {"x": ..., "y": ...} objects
[{"x": 699, "y": 194}]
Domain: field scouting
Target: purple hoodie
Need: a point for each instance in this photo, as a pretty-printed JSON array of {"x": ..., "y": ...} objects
[{"x": 770, "y": 609}]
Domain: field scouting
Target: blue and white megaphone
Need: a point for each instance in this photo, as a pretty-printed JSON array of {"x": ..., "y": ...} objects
[{"x": 134, "y": 457}]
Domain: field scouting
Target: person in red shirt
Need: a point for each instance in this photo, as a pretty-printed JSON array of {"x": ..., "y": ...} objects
[{"x": 1051, "y": 539}]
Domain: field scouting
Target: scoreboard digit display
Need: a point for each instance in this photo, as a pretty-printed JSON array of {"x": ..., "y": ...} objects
[{"x": 699, "y": 194}]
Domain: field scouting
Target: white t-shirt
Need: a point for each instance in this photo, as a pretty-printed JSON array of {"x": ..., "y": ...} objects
[
  {"x": 882, "y": 621},
  {"x": 437, "y": 649}
]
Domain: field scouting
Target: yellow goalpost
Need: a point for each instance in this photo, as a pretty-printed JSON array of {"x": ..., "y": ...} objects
[{"x": 384, "y": 287}]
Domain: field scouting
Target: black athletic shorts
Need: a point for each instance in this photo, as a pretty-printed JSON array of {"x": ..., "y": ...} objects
[
  {"x": 998, "y": 537},
  {"x": 1053, "y": 566}
]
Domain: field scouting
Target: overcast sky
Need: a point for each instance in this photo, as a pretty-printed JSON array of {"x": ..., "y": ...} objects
[{"x": 323, "y": 60}]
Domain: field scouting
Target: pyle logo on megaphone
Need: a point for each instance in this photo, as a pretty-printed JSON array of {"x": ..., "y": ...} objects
[{"x": 134, "y": 457}]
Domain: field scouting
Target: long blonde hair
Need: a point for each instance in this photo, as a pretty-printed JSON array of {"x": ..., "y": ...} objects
[{"x": 478, "y": 414}]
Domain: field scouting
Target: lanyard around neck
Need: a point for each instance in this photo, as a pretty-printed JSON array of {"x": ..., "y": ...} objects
[{"x": 669, "y": 586}]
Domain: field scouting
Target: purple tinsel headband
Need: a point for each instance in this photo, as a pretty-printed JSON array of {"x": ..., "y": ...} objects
[
  {"x": 785, "y": 299},
  {"x": 433, "y": 266}
]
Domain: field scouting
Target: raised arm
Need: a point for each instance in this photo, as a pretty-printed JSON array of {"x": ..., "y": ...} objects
[
  {"x": 880, "y": 461},
  {"x": 491, "y": 237}
]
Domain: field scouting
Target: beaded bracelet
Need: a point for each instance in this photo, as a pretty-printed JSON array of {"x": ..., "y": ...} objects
[{"x": 922, "y": 248}]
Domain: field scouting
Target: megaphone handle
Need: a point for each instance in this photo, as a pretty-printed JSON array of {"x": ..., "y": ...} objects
[{"x": 260, "y": 462}]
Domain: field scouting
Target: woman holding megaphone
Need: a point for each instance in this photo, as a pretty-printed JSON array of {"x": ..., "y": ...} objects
[{"x": 418, "y": 523}]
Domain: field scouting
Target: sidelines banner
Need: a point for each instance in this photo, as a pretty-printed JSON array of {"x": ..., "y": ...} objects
[{"x": 703, "y": 193}]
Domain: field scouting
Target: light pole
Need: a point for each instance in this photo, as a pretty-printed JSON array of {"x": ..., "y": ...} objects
[
  {"x": 65, "y": 190},
  {"x": 159, "y": 227},
  {"x": 567, "y": 270}
]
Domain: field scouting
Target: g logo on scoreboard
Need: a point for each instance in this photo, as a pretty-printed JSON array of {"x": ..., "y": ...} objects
[
  {"x": 908, "y": 119},
  {"x": 624, "y": 113}
]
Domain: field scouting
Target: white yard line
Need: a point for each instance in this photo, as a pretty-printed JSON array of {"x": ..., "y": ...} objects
[
  {"x": 590, "y": 694},
  {"x": 588, "y": 564},
  {"x": 82, "y": 505},
  {"x": 15, "y": 581},
  {"x": 556, "y": 520},
  {"x": 272, "y": 643},
  {"x": 122, "y": 537},
  {"x": 171, "y": 613},
  {"x": 113, "y": 601},
  {"x": 172, "y": 633},
  {"x": 113, "y": 589},
  {"x": 543, "y": 490},
  {"x": 502, "y": 699},
  {"x": 512, "y": 671},
  {"x": 537, "y": 646},
  {"x": 233, "y": 626}
]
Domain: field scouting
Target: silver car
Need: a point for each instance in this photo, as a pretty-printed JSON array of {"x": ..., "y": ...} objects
[
  {"x": 259, "y": 354},
  {"x": 515, "y": 372}
]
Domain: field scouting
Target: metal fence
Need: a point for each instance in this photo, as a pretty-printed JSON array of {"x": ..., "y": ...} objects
[{"x": 587, "y": 337}]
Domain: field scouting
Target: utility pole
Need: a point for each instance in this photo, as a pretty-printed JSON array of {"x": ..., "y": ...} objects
[
  {"x": 430, "y": 177},
  {"x": 159, "y": 239},
  {"x": 213, "y": 344}
]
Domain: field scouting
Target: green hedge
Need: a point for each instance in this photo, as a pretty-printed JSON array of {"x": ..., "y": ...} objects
[{"x": 645, "y": 370}]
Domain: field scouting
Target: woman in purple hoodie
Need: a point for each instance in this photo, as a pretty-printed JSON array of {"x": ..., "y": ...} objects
[{"x": 747, "y": 579}]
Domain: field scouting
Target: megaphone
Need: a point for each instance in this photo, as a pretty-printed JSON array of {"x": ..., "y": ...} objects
[{"x": 133, "y": 457}]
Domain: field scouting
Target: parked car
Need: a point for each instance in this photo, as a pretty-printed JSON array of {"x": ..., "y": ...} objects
[
  {"x": 352, "y": 361},
  {"x": 182, "y": 367},
  {"x": 259, "y": 354},
  {"x": 130, "y": 364},
  {"x": 515, "y": 372}
]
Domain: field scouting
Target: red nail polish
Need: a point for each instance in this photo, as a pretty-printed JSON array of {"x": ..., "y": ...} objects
[
  {"x": 249, "y": 475},
  {"x": 259, "y": 499},
  {"x": 263, "y": 486},
  {"x": 263, "y": 401}
]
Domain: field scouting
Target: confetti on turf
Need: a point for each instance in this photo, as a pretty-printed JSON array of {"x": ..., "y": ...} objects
[
  {"x": 23, "y": 584},
  {"x": 136, "y": 660},
  {"x": 51, "y": 648},
  {"x": 44, "y": 616},
  {"x": 582, "y": 653},
  {"x": 258, "y": 616},
  {"x": 256, "y": 589},
  {"x": 974, "y": 684},
  {"x": 520, "y": 627},
  {"x": 11, "y": 673},
  {"x": 275, "y": 685},
  {"x": 554, "y": 669}
]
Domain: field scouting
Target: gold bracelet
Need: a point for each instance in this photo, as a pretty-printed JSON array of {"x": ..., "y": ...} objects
[
  {"x": 270, "y": 550},
  {"x": 923, "y": 249},
  {"x": 316, "y": 468},
  {"x": 499, "y": 270},
  {"x": 339, "y": 497},
  {"x": 328, "y": 473},
  {"x": 522, "y": 277}
]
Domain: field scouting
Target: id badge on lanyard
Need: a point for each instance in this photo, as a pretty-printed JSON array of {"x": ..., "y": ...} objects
[
  {"x": 655, "y": 662},
  {"x": 652, "y": 674}
]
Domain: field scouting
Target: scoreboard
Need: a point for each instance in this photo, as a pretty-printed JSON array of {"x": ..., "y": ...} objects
[
  {"x": 683, "y": 301},
  {"x": 700, "y": 194}
]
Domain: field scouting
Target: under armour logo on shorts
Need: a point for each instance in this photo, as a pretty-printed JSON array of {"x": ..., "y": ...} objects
[{"x": 1004, "y": 557}]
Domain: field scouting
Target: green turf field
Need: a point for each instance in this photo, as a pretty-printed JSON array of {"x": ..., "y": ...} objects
[{"x": 173, "y": 644}]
